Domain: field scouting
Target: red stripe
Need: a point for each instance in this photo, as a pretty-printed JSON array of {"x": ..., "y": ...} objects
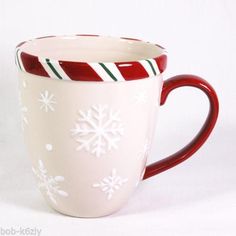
[
  {"x": 130, "y": 39},
  {"x": 92, "y": 35},
  {"x": 161, "y": 62},
  {"x": 20, "y": 44},
  {"x": 79, "y": 71},
  {"x": 132, "y": 70},
  {"x": 32, "y": 65},
  {"x": 45, "y": 37},
  {"x": 159, "y": 46}
]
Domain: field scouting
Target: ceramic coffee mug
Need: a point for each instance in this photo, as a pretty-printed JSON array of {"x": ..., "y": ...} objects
[{"x": 89, "y": 105}]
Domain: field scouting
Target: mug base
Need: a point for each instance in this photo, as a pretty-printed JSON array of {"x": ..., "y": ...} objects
[{"x": 74, "y": 215}]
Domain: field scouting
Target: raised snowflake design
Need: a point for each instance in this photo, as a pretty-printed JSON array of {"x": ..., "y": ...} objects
[
  {"x": 110, "y": 184},
  {"x": 49, "y": 147},
  {"x": 98, "y": 130},
  {"x": 47, "y": 101},
  {"x": 50, "y": 184},
  {"x": 141, "y": 97}
]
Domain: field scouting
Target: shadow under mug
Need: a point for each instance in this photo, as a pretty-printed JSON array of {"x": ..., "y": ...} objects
[{"x": 88, "y": 106}]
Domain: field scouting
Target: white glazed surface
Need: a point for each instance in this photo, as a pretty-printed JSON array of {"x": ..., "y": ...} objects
[
  {"x": 91, "y": 49},
  {"x": 79, "y": 174}
]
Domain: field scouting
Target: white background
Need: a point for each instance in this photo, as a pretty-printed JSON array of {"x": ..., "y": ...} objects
[{"x": 196, "y": 198}]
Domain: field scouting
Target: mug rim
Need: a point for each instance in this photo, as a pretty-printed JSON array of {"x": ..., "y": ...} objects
[{"x": 145, "y": 66}]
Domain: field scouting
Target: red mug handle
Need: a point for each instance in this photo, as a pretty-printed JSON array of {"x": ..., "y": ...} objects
[{"x": 201, "y": 137}]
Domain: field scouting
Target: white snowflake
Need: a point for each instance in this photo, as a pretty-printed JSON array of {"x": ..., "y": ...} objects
[
  {"x": 50, "y": 184},
  {"x": 98, "y": 130},
  {"x": 145, "y": 150},
  {"x": 23, "y": 111},
  {"x": 47, "y": 101},
  {"x": 141, "y": 97},
  {"x": 110, "y": 184},
  {"x": 49, "y": 147}
]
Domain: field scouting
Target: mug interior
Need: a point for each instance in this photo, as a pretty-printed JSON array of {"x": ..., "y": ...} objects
[{"x": 91, "y": 49}]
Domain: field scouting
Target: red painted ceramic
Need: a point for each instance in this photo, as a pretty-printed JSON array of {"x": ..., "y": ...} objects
[{"x": 201, "y": 137}]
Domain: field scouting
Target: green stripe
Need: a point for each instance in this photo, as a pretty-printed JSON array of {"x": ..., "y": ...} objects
[
  {"x": 53, "y": 69},
  {"x": 153, "y": 70},
  {"x": 108, "y": 71},
  {"x": 18, "y": 58}
]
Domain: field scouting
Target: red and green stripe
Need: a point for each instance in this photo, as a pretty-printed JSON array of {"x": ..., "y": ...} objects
[{"x": 82, "y": 71}]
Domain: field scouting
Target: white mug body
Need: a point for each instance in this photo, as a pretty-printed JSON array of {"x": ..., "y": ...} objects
[{"x": 88, "y": 141}]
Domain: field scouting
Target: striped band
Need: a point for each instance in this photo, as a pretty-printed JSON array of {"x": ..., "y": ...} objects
[
  {"x": 18, "y": 59},
  {"x": 82, "y": 71},
  {"x": 53, "y": 68}
]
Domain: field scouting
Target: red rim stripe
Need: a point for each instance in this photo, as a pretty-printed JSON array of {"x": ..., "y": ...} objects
[
  {"x": 79, "y": 71},
  {"x": 161, "y": 62},
  {"x": 32, "y": 65},
  {"x": 132, "y": 70},
  {"x": 82, "y": 71}
]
